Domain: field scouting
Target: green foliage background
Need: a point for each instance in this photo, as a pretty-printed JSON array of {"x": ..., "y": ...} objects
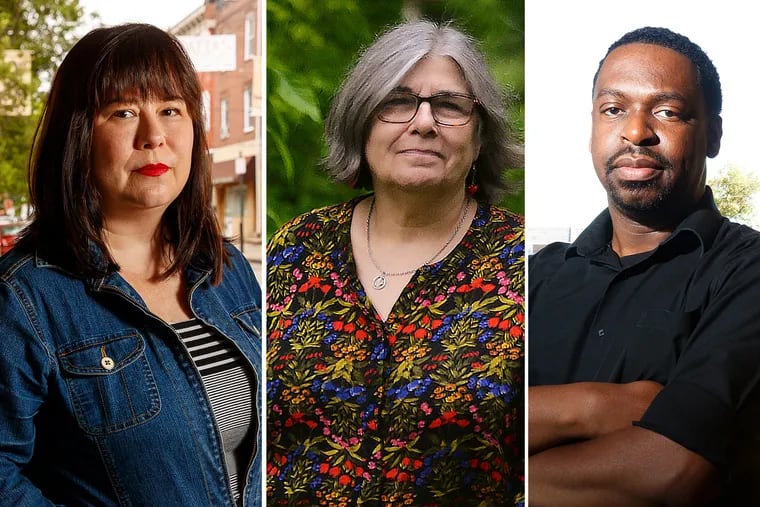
[
  {"x": 309, "y": 51},
  {"x": 734, "y": 191},
  {"x": 46, "y": 27}
]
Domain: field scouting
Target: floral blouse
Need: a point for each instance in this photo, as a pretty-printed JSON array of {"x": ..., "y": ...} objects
[{"x": 423, "y": 409}]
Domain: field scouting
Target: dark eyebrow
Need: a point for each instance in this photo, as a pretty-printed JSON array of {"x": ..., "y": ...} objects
[
  {"x": 120, "y": 100},
  {"x": 133, "y": 98},
  {"x": 657, "y": 97},
  {"x": 609, "y": 91},
  {"x": 666, "y": 96},
  {"x": 406, "y": 89}
]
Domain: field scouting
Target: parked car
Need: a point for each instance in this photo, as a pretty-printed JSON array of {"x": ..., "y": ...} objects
[{"x": 8, "y": 234}]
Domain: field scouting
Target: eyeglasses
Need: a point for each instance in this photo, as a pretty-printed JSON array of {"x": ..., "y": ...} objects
[{"x": 450, "y": 109}]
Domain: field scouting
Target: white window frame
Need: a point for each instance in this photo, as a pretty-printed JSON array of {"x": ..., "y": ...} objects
[
  {"x": 249, "y": 37},
  {"x": 206, "y": 110},
  {"x": 224, "y": 119},
  {"x": 248, "y": 109}
]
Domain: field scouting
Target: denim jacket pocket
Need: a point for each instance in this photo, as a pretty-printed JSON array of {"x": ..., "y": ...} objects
[
  {"x": 111, "y": 384},
  {"x": 248, "y": 318}
]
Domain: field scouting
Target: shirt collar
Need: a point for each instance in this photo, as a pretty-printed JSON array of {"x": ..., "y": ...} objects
[{"x": 702, "y": 223}]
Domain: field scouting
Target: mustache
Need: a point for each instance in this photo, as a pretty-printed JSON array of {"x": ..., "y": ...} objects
[{"x": 638, "y": 151}]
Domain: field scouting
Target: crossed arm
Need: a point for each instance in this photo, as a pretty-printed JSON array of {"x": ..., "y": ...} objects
[{"x": 585, "y": 451}]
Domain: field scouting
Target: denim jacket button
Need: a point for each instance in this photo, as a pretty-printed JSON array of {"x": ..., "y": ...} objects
[{"x": 107, "y": 363}]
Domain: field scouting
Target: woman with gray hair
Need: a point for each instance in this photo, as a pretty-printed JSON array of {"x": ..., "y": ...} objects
[{"x": 395, "y": 320}]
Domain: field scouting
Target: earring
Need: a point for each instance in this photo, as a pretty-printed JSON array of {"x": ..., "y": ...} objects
[{"x": 472, "y": 188}]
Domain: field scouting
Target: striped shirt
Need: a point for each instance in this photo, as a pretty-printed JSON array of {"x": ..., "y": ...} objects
[{"x": 231, "y": 386}]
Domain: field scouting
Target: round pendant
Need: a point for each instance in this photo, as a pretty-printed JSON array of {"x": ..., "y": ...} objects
[{"x": 379, "y": 282}]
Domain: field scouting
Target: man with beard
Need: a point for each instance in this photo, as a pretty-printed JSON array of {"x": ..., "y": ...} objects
[{"x": 644, "y": 336}]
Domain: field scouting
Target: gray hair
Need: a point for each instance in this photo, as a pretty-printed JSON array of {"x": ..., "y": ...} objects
[{"x": 380, "y": 69}]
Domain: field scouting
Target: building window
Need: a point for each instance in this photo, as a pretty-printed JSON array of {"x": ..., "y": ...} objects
[
  {"x": 247, "y": 109},
  {"x": 224, "y": 119},
  {"x": 249, "y": 36},
  {"x": 206, "y": 110}
]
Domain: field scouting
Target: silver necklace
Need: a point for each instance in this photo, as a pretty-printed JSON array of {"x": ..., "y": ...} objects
[{"x": 380, "y": 280}]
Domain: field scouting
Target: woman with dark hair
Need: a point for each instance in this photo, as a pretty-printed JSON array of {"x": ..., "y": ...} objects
[
  {"x": 130, "y": 347},
  {"x": 395, "y": 320}
]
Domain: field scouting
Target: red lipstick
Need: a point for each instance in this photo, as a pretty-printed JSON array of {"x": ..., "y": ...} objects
[{"x": 153, "y": 170}]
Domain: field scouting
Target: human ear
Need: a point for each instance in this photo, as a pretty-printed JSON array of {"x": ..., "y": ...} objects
[{"x": 714, "y": 134}]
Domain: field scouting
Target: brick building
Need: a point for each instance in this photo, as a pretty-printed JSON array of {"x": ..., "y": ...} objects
[{"x": 233, "y": 105}]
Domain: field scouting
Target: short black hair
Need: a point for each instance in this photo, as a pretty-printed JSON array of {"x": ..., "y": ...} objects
[{"x": 707, "y": 74}]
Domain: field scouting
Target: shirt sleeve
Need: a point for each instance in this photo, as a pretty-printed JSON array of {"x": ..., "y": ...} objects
[
  {"x": 715, "y": 381},
  {"x": 24, "y": 367}
]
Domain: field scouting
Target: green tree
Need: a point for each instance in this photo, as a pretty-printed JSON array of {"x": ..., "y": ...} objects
[
  {"x": 309, "y": 51},
  {"x": 499, "y": 25},
  {"x": 734, "y": 192},
  {"x": 47, "y": 29}
]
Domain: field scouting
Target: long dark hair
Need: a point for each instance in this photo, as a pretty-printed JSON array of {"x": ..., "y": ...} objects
[{"x": 126, "y": 60}]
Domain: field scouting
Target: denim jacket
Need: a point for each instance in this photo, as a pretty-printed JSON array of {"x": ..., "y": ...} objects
[{"x": 101, "y": 404}]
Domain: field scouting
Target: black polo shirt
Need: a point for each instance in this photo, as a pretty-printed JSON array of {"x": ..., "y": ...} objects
[{"x": 686, "y": 314}]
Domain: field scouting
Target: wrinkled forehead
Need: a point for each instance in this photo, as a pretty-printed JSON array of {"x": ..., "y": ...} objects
[
  {"x": 437, "y": 73},
  {"x": 650, "y": 63}
]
